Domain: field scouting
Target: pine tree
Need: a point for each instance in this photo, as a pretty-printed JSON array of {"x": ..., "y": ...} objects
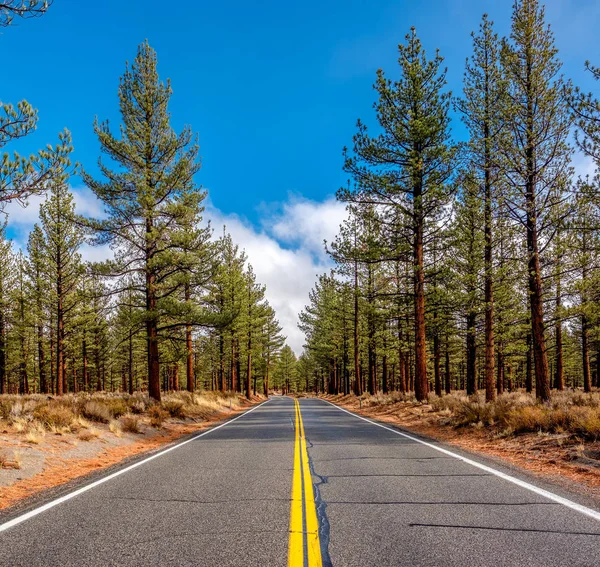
[
  {"x": 6, "y": 285},
  {"x": 9, "y": 9},
  {"x": 149, "y": 198},
  {"x": 468, "y": 245},
  {"x": 537, "y": 155},
  {"x": 62, "y": 240},
  {"x": 272, "y": 343},
  {"x": 39, "y": 290},
  {"x": 408, "y": 166},
  {"x": 484, "y": 97}
]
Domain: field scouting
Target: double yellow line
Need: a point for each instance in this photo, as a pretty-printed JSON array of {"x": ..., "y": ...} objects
[{"x": 304, "y": 525}]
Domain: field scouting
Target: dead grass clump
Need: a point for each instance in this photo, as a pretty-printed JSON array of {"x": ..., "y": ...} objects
[
  {"x": 450, "y": 403},
  {"x": 89, "y": 434},
  {"x": 97, "y": 411},
  {"x": 138, "y": 403},
  {"x": 130, "y": 423},
  {"x": 54, "y": 414},
  {"x": 6, "y": 406},
  {"x": 586, "y": 422},
  {"x": 175, "y": 407},
  {"x": 35, "y": 433},
  {"x": 115, "y": 428},
  {"x": 158, "y": 416}
]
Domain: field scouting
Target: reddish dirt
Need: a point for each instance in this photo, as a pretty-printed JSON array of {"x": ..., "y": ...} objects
[{"x": 555, "y": 458}]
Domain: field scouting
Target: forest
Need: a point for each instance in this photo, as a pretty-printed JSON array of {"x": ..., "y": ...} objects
[
  {"x": 176, "y": 308},
  {"x": 468, "y": 265},
  {"x": 463, "y": 265}
]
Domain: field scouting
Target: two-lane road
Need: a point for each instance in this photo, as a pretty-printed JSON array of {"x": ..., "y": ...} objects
[{"x": 242, "y": 494}]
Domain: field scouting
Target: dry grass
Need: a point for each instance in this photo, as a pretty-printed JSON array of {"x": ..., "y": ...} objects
[
  {"x": 115, "y": 428},
  {"x": 130, "y": 423},
  {"x": 35, "y": 433},
  {"x": 97, "y": 411},
  {"x": 571, "y": 413},
  {"x": 88, "y": 434},
  {"x": 157, "y": 416},
  {"x": 54, "y": 414},
  {"x": 35, "y": 415}
]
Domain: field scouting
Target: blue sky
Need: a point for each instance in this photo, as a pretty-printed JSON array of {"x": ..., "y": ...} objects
[{"x": 272, "y": 88}]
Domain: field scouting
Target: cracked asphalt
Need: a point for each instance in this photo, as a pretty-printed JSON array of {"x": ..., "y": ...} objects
[{"x": 382, "y": 500}]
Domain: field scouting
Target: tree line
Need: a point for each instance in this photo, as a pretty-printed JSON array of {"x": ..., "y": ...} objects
[
  {"x": 174, "y": 308},
  {"x": 466, "y": 265}
]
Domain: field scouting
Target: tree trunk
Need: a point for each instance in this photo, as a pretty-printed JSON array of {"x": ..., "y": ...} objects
[
  {"x": 490, "y": 391},
  {"x": 528, "y": 373},
  {"x": 60, "y": 335},
  {"x": 84, "y": 357},
  {"x": 585, "y": 351},
  {"x": 420, "y": 378},
  {"x": 130, "y": 365},
  {"x": 471, "y": 354},
  {"x": 151, "y": 323},
  {"x": 436, "y": 362},
  {"x": 189, "y": 371},
  {"x": 447, "y": 367},
  {"x": 249, "y": 370},
  {"x": 559, "y": 372},
  {"x": 42, "y": 359},
  {"x": 2, "y": 354},
  {"x": 500, "y": 370}
]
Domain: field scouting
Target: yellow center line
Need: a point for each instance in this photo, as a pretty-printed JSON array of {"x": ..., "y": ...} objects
[
  {"x": 296, "y": 542},
  {"x": 303, "y": 501}
]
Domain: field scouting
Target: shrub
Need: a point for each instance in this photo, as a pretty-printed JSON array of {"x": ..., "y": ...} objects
[
  {"x": 117, "y": 406},
  {"x": 54, "y": 415},
  {"x": 96, "y": 411},
  {"x": 6, "y": 408},
  {"x": 468, "y": 412},
  {"x": 130, "y": 423},
  {"x": 157, "y": 416},
  {"x": 527, "y": 419},
  {"x": 174, "y": 407}
]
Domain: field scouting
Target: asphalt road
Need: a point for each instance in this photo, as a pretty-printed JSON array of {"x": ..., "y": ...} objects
[{"x": 381, "y": 500}]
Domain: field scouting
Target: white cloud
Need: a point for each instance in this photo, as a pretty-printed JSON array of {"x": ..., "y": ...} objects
[
  {"x": 306, "y": 224},
  {"x": 288, "y": 273}
]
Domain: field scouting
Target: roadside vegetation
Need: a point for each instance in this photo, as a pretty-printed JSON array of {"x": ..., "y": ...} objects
[
  {"x": 573, "y": 415},
  {"x": 32, "y": 419}
]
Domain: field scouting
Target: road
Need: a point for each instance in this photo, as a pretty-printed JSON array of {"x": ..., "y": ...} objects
[{"x": 252, "y": 491}]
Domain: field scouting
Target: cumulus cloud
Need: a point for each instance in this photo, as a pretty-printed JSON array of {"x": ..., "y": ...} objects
[
  {"x": 306, "y": 224},
  {"x": 288, "y": 272}
]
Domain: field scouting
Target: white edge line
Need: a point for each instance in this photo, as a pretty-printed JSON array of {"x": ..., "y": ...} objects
[
  {"x": 531, "y": 487},
  {"x": 53, "y": 503}
]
